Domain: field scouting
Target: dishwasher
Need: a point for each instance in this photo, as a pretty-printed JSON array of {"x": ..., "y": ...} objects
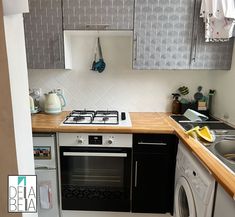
[{"x": 44, "y": 146}]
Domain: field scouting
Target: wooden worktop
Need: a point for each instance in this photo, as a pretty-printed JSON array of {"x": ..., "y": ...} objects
[{"x": 144, "y": 122}]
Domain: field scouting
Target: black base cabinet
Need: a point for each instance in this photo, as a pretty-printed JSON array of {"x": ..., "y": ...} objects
[{"x": 154, "y": 158}]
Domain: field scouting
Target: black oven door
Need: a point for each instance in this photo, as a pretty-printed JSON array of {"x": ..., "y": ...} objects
[{"x": 95, "y": 178}]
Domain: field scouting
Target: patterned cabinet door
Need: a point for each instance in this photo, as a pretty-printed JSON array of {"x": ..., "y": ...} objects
[
  {"x": 44, "y": 35},
  {"x": 162, "y": 34},
  {"x": 209, "y": 55},
  {"x": 98, "y": 14}
]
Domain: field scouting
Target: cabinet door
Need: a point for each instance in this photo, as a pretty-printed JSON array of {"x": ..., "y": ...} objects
[
  {"x": 98, "y": 14},
  {"x": 152, "y": 191},
  {"x": 44, "y": 35},
  {"x": 209, "y": 55},
  {"x": 162, "y": 34},
  {"x": 224, "y": 204}
]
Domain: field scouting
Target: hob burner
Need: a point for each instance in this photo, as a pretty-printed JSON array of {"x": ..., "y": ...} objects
[{"x": 106, "y": 117}]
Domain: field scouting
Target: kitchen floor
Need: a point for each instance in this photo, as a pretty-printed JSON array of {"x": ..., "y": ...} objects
[{"x": 109, "y": 214}]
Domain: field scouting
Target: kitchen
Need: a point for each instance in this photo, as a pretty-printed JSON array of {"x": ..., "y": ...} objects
[{"x": 134, "y": 90}]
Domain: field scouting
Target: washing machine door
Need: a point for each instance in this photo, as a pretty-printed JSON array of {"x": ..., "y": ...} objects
[{"x": 184, "y": 200}]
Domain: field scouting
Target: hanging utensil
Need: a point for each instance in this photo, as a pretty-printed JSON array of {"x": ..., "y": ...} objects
[
  {"x": 100, "y": 65},
  {"x": 93, "y": 66}
]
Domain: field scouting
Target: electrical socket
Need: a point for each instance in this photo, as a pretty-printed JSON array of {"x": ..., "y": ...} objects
[
  {"x": 59, "y": 91},
  {"x": 226, "y": 115},
  {"x": 37, "y": 91}
]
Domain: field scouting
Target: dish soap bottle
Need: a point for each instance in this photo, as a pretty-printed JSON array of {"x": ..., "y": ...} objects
[{"x": 176, "y": 106}]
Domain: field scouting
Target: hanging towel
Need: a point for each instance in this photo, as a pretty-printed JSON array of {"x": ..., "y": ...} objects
[
  {"x": 45, "y": 195},
  {"x": 219, "y": 18}
]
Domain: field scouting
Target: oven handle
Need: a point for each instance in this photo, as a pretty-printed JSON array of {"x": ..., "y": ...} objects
[
  {"x": 136, "y": 173},
  {"x": 152, "y": 143},
  {"x": 94, "y": 154}
]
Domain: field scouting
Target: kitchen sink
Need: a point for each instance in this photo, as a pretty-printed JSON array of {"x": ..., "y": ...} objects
[
  {"x": 223, "y": 147},
  {"x": 226, "y": 149},
  {"x": 212, "y": 123}
]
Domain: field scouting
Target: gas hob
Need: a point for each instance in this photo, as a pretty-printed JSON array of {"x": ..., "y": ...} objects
[{"x": 97, "y": 118}]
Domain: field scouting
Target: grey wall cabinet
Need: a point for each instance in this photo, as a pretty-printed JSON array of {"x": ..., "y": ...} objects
[
  {"x": 44, "y": 35},
  {"x": 98, "y": 14},
  {"x": 208, "y": 55},
  {"x": 169, "y": 35}
]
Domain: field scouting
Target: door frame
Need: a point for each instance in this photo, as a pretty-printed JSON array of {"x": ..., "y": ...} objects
[{"x": 8, "y": 160}]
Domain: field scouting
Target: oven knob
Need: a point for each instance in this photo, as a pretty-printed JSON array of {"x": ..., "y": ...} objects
[
  {"x": 110, "y": 141},
  {"x": 80, "y": 141}
]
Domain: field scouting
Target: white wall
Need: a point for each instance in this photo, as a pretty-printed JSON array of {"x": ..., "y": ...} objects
[
  {"x": 118, "y": 87},
  {"x": 14, "y": 33},
  {"x": 11, "y": 7},
  {"x": 224, "y": 101}
]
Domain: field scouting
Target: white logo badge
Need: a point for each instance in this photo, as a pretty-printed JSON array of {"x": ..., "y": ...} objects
[{"x": 22, "y": 194}]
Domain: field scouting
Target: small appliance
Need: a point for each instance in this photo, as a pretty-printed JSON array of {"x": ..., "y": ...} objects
[
  {"x": 54, "y": 102},
  {"x": 34, "y": 98},
  {"x": 44, "y": 147}
]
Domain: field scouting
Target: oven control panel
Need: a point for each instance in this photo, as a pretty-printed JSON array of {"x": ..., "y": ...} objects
[{"x": 95, "y": 139}]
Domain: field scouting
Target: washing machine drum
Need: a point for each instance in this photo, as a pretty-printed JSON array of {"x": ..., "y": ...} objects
[{"x": 184, "y": 201}]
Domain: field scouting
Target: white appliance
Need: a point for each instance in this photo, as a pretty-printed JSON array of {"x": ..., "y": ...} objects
[
  {"x": 194, "y": 186},
  {"x": 95, "y": 171},
  {"x": 46, "y": 170},
  {"x": 54, "y": 102},
  {"x": 224, "y": 203}
]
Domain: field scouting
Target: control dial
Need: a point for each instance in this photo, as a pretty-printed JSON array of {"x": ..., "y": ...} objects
[
  {"x": 80, "y": 140},
  {"x": 110, "y": 141}
]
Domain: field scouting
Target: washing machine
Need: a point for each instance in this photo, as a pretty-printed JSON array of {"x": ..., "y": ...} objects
[{"x": 194, "y": 186}]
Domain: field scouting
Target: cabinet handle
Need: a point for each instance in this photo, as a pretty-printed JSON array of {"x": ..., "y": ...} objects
[
  {"x": 152, "y": 143},
  {"x": 195, "y": 48},
  {"x": 191, "y": 58},
  {"x": 97, "y": 26},
  {"x": 57, "y": 54},
  {"x": 93, "y": 154},
  {"x": 136, "y": 43},
  {"x": 136, "y": 173},
  {"x": 197, "y": 11},
  {"x": 59, "y": 49}
]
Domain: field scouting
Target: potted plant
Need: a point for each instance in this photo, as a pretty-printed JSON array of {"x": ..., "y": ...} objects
[{"x": 186, "y": 102}]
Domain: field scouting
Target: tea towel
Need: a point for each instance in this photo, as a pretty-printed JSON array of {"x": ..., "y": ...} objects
[{"x": 219, "y": 18}]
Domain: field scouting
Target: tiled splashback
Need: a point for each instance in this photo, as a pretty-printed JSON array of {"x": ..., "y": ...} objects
[{"x": 118, "y": 87}]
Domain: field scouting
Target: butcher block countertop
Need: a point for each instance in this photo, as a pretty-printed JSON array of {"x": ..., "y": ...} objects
[
  {"x": 144, "y": 122},
  {"x": 141, "y": 123}
]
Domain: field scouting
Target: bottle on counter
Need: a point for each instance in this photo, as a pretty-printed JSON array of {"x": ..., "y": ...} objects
[{"x": 176, "y": 105}]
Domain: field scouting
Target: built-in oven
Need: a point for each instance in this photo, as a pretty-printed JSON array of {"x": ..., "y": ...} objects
[{"x": 95, "y": 171}]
